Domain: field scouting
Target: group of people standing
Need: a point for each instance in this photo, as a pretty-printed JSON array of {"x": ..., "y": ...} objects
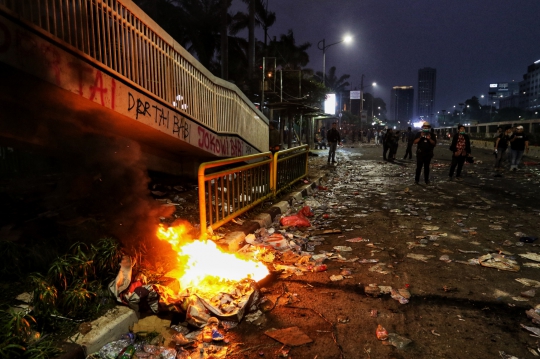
[
  {"x": 518, "y": 142},
  {"x": 426, "y": 141}
]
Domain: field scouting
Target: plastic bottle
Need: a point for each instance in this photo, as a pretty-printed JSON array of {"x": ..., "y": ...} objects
[
  {"x": 128, "y": 353},
  {"x": 382, "y": 334}
]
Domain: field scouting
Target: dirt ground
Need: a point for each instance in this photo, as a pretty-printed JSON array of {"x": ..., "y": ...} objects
[{"x": 456, "y": 310}]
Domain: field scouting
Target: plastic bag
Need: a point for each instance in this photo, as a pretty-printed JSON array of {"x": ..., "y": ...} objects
[
  {"x": 296, "y": 220},
  {"x": 112, "y": 349},
  {"x": 299, "y": 219}
]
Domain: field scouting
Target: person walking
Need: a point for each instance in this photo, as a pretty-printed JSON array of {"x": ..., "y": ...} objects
[
  {"x": 393, "y": 145},
  {"x": 424, "y": 152},
  {"x": 409, "y": 135},
  {"x": 501, "y": 145},
  {"x": 461, "y": 149},
  {"x": 519, "y": 143},
  {"x": 386, "y": 141},
  {"x": 333, "y": 138}
]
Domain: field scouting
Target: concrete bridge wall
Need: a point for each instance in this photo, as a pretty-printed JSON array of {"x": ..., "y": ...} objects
[{"x": 47, "y": 84}]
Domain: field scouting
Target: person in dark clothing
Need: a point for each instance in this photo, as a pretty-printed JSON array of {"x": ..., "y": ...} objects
[
  {"x": 501, "y": 145},
  {"x": 386, "y": 141},
  {"x": 424, "y": 151},
  {"x": 393, "y": 145},
  {"x": 274, "y": 138},
  {"x": 409, "y": 135},
  {"x": 333, "y": 138},
  {"x": 519, "y": 143},
  {"x": 461, "y": 149}
]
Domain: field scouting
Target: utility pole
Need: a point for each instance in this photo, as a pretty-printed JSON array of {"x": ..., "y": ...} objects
[
  {"x": 225, "y": 4},
  {"x": 251, "y": 42},
  {"x": 361, "y": 102}
]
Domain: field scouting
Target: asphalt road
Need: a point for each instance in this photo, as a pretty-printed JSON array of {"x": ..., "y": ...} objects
[{"x": 457, "y": 308}]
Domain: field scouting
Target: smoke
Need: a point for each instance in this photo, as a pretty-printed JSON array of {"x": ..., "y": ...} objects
[
  {"x": 108, "y": 176},
  {"x": 102, "y": 177}
]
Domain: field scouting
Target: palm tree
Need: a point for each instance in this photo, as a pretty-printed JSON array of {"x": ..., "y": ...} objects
[
  {"x": 263, "y": 18},
  {"x": 289, "y": 55},
  {"x": 195, "y": 24},
  {"x": 200, "y": 21},
  {"x": 332, "y": 82}
]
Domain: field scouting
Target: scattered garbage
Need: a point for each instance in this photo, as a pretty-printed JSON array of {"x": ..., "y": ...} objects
[
  {"x": 398, "y": 341},
  {"x": 399, "y": 297},
  {"x": 299, "y": 219},
  {"x": 420, "y": 257},
  {"x": 534, "y": 330},
  {"x": 381, "y": 333},
  {"x": 531, "y": 256},
  {"x": 499, "y": 262},
  {"x": 506, "y": 356},
  {"x": 292, "y": 336},
  {"x": 529, "y": 282}
]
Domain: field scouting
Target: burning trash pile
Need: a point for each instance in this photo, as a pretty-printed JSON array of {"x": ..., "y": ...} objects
[
  {"x": 211, "y": 281},
  {"x": 211, "y": 287}
]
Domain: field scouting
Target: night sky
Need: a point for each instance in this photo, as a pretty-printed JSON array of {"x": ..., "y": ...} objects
[{"x": 471, "y": 43}]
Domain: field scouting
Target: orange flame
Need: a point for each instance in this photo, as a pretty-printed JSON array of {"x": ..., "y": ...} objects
[{"x": 203, "y": 265}]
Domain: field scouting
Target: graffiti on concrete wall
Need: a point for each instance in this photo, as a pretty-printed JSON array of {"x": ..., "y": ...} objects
[{"x": 37, "y": 56}]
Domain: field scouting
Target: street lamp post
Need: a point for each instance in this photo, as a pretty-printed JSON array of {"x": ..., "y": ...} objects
[
  {"x": 372, "y": 98},
  {"x": 362, "y": 100},
  {"x": 346, "y": 39}
]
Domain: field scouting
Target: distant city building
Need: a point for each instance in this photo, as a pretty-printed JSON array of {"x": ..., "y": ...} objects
[
  {"x": 529, "y": 88},
  {"x": 510, "y": 101},
  {"x": 427, "y": 79},
  {"x": 506, "y": 94},
  {"x": 402, "y": 102}
]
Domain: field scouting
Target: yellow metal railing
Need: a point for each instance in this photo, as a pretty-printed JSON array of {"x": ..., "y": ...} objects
[
  {"x": 243, "y": 182},
  {"x": 232, "y": 191},
  {"x": 118, "y": 35},
  {"x": 290, "y": 166}
]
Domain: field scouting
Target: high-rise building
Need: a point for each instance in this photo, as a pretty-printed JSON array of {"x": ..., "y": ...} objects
[
  {"x": 505, "y": 94},
  {"x": 529, "y": 88},
  {"x": 427, "y": 79},
  {"x": 401, "y": 105}
]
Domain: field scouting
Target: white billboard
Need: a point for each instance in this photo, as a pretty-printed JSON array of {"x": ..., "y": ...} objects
[
  {"x": 330, "y": 104},
  {"x": 355, "y": 95}
]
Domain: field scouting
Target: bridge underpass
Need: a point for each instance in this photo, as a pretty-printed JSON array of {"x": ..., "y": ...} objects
[{"x": 82, "y": 67}]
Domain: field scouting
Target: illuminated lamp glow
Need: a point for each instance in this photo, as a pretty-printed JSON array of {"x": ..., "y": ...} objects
[
  {"x": 418, "y": 124},
  {"x": 330, "y": 104}
]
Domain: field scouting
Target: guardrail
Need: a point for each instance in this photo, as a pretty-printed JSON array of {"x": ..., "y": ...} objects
[
  {"x": 243, "y": 182},
  {"x": 290, "y": 166},
  {"x": 119, "y": 36},
  {"x": 230, "y": 192}
]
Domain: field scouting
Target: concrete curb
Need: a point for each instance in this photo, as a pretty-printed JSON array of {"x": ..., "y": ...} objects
[{"x": 107, "y": 328}]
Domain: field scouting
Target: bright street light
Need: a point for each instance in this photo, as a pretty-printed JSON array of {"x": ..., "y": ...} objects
[{"x": 346, "y": 40}]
